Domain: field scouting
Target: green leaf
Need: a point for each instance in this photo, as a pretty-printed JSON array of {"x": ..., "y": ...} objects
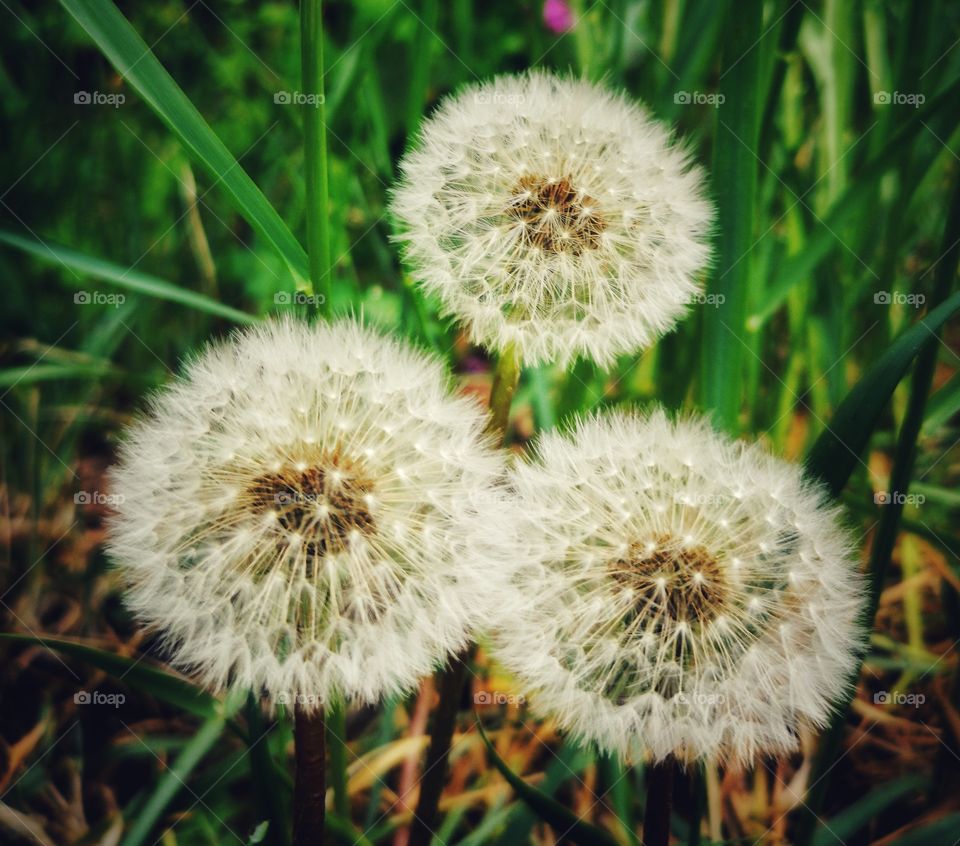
[
  {"x": 272, "y": 793},
  {"x": 549, "y": 809},
  {"x": 851, "y": 205},
  {"x": 33, "y": 373},
  {"x": 135, "y": 61},
  {"x": 139, "y": 675},
  {"x": 852, "y": 819},
  {"x": 259, "y": 834},
  {"x": 943, "y": 405},
  {"x": 175, "y": 778},
  {"x": 837, "y": 451},
  {"x": 734, "y": 176},
  {"x": 126, "y": 278},
  {"x": 939, "y": 833}
]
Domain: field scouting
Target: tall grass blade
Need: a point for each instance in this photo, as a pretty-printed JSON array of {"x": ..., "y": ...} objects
[
  {"x": 135, "y": 61},
  {"x": 735, "y": 181}
]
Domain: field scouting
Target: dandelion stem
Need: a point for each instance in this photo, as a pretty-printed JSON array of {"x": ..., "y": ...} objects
[
  {"x": 449, "y": 684},
  {"x": 505, "y": 379},
  {"x": 310, "y": 788},
  {"x": 656, "y": 813},
  {"x": 337, "y": 744},
  {"x": 315, "y": 149}
]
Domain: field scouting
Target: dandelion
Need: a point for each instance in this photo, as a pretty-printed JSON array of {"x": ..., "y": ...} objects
[
  {"x": 298, "y": 514},
  {"x": 686, "y": 595},
  {"x": 553, "y": 216}
]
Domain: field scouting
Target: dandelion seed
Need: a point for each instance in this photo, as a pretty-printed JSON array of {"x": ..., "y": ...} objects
[
  {"x": 314, "y": 580},
  {"x": 586, "y": 239},
  {"x": 706, "y": 599}
]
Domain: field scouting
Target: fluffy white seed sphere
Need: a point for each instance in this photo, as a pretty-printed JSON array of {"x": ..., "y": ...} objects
[
  {"x": 553, "y": 215},
  {"x": 298, "y": 514},
  {"x": 686, "y": 594}
]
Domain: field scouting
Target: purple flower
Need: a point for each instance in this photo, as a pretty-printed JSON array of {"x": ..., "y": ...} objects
[{"x": 557, "y": 16}]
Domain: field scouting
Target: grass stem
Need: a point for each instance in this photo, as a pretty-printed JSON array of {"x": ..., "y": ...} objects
[{"x": 315, "y": 150}]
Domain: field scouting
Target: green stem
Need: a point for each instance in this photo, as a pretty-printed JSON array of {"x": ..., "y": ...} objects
[
  {"x": 505, "y": 379},
  {"x": 812, "y": 809},
  {"x": 337, "y": 746},
  {"x": 735, "y": 187},
  {"x": 315, "y": 147},
  {"x": 309, "y": 787}
]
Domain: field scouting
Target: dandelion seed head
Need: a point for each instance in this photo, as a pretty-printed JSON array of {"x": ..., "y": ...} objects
[
  {"x": 706, "y": 599},
  {"x": 290, "y": 521},
  {"x": 553, "y": 215}
]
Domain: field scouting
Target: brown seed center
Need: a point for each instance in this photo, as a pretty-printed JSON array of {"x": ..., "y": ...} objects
[
  {"x": 555, "y": 216},
  {"x": 325, "y": 503},
  {"x": 670, "y": 580}
]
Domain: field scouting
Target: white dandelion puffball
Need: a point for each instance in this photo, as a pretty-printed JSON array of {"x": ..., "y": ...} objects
[
  {"x": 687, "y": 594},
  {"x": 555, "y": 216},
  {"x": 298, "y": 514}
]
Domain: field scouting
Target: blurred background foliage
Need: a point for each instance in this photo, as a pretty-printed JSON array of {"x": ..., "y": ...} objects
[{"x": 856, "y": 152}]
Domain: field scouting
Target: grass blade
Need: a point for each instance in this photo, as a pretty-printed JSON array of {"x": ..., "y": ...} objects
[
  {"x": 135, "y": 61},
  {"x": 174, "y": 779},
  {"x": 943, "y": 405},
  {"x": 547, "y": 808},
  {"x": 735, "y": 181},
  {"x": 315, "y": 146},
  {"x": 171, "y": 689},
  {"x": 125, "y": 278},
  {"x": 878, "y": 392},
  {"x": 837, "y": 451}
]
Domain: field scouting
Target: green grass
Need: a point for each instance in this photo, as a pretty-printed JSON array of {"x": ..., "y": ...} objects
[{"x": 834, "y": 188}]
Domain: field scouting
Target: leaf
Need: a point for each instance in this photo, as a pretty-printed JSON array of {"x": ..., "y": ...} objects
[
  {"x": 272, "y": 793},
  {"x": 126, "y": 278},
  {"x": 943, "y": 405},
  {"x": 139, "y": 675},
  {"x": 734, "y": 174},
  {"x": 259, "y": 834},
  {"x": 939, "y": 833},
  {"x": 837, "y": 451},
  {"x": 175, "y": 778},
  {"x": 135, "y": 61},
  {"x": 548, "y": 808},
  {"x": 851, "y": 205},
  {"x": 852, "y": 819},
  {"x": 33, "y": 373}
]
